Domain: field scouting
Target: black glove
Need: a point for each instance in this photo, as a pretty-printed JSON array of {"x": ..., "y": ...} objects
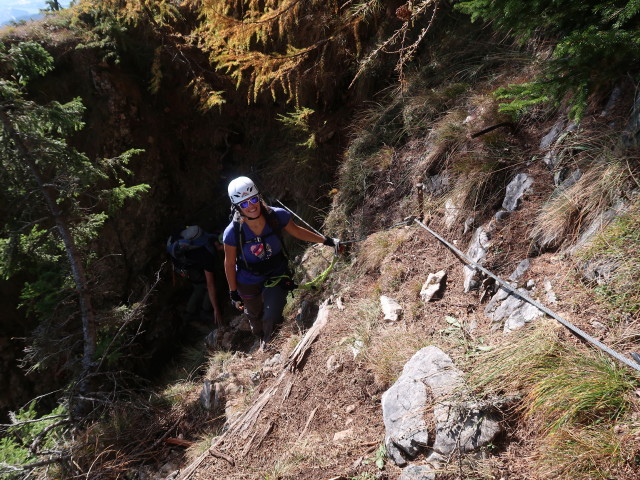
[
  {"x": 236, "y": 299},
  {"x": 333, "y": 242}
]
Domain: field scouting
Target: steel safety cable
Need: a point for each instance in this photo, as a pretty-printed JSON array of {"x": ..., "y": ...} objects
[
  {"x": 298, "y": 217},
  {"x": 533, "y": 302}
]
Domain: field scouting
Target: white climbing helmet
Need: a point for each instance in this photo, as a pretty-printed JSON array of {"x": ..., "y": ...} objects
[
  {"x": 191, "y": 233},
  {"x": 240, "y": 189}
]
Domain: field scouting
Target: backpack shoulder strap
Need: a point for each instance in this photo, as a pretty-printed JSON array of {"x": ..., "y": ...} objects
[
  {"x": 274, "y": 223},
  {"x": 237, "y": 228}
]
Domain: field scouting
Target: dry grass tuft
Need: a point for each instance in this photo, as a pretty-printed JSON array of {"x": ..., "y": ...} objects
[
  {"x": 589, "y": 453},
  {"x": 571, "y": 399},
  {"x": 216, "y": 363},
  {"x": 615, "y": 254},
  {"x": 389, "y": 350},
  {"x": 508, "y": 368},
  {"x": 200, "y": 446},
  {"x": 571, "y": 211},
  {"x": 376, "y": 248}
]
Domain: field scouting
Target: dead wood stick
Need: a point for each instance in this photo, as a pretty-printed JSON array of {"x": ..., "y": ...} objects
[
  {"x": 306, "y": 425},
  {"x": 242, "y": 424},
  {"x": 287, "y": 391},
  {"x": 265, "y": 433},
  {"x": 248, "y": 444},
  {"x": 219, "y": 454},
  {"x": 301, "y": 349},
  {"x": 178, "y": 441}
]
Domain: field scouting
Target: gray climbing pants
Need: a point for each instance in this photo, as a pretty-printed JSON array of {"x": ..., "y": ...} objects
[{"x": 263, "y": 307}]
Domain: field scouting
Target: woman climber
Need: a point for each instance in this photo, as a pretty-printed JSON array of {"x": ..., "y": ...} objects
[{"x": 255, "y": 261}]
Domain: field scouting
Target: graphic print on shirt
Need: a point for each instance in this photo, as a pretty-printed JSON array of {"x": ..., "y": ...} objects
[{"x": 261, "y": 250}]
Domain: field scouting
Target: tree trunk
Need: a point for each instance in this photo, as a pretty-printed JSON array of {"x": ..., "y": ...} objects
[{"x": 75, "y": 260}]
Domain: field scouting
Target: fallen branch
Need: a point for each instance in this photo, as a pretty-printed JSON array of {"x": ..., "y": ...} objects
[
  {"x": 26, "y": 422},
  {"x": 241, "y": 425},
  {"x": 298, "y": 354},
  {"x": 221, "y": 455},
  {"x": 306, "y": 425},
  {"x": 31, "y": 466},
  {"x": 178, "y": 441}
]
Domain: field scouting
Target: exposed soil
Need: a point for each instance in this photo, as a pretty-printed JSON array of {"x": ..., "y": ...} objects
[{"x": 325, "y": 424}]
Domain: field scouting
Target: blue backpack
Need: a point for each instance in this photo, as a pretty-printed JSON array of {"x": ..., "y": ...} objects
[{"x": 189, "y": 239}]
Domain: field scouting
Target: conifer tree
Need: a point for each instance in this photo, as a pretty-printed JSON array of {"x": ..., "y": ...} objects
[
  {"x": 49, "y": 190},
  {"x": 595, "y": 43}
]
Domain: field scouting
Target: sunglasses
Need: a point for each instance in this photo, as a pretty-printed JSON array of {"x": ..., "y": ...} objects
[{"x": 251, "y": 201}]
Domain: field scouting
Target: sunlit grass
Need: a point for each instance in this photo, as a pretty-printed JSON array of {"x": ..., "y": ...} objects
[
  {"x": 596, "y": 452},
  {"x": 568, "y": 213},
  {"x": 617, "y": 249},
  {"x": 570, "y": 400}
]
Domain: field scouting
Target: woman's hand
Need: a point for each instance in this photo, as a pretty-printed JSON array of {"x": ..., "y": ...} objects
[
  {"x": 236, "y": 300},
  {"x": 335, "y": 243}
]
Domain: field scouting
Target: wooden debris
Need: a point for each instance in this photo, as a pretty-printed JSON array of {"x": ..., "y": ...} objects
[
  {"x": 306, "y": 425},
  {"x": 298, "y": 354},
  {"x": 178, "y": 441},
  {"x": 241, "y": 426},
  {"x": 287, "y": 391},
  {"x": 221, "y": 455}
]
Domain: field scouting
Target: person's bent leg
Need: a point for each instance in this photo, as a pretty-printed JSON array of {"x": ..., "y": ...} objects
[
  {"x": 275, "y": 299},
  {"x": 253, "y": 306},
  {"x": 195, "y": 300}
]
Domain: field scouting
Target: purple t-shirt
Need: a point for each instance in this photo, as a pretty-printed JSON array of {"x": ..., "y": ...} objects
[{"x": 258, "y": 248}]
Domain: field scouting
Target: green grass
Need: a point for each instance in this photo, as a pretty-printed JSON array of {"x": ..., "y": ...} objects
[
  {"x": 579, "y": 388},
  {"x": 618, "y": 247},
  {"x": 571, "y": 399},
  {"x": 589, "y": 453}
]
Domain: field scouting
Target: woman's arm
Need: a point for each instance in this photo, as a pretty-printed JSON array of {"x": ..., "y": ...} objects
[
  {"x": 302, "y": 233},
  {"x": 230, "y": 273},
  {"x": 230, "y": 266}
]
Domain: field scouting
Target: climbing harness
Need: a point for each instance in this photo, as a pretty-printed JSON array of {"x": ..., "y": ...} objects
[
  {"x": 270, "y": 264},
  {"x": 533, "y": 302}
]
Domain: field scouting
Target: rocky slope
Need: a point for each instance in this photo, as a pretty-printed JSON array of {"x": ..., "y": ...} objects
[{"x": 328, "y": 416}]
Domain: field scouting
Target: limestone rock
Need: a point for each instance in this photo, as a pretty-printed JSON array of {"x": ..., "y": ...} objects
[
  {"x": 477, "y": 251},
  {"x": 418, "y": 472},
  {"x": 517, "y": 188},
  {"x": 429, "y": 379},
  {"x": 205, "y": 395},
  {"x": 343, "y": 436},
  {"x": 333, "y": 365},
  {"x": 433, "y": 285},
  {"x": 391, "y": 309},
  {"x": 463, "y": 427},
  {"x": 404, "y": 404}
]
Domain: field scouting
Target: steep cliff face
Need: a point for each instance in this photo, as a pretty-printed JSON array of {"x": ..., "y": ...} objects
[{"x": 334, "y": 410}]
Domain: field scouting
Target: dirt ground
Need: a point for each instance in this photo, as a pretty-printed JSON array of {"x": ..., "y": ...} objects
[{"x": 323, "y": 422}]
